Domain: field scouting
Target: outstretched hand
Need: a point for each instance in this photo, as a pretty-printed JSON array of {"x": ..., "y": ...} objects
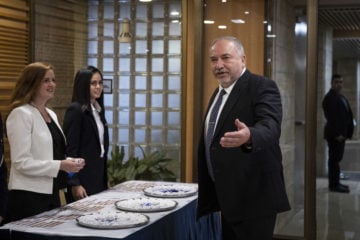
[{"x": 238, "y": 137}]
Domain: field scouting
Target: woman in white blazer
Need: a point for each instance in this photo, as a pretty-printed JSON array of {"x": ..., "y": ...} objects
[{"x": 37, "y": 145}]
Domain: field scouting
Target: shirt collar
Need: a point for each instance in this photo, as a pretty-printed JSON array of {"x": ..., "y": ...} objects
[{"x": 96, "y": 106}]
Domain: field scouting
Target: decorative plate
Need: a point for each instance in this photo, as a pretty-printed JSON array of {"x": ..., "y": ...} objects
[
  {"x": 170, "y": 191},
  {"x": 145, "y": 204},
  {"x": 113, "y": 220}
]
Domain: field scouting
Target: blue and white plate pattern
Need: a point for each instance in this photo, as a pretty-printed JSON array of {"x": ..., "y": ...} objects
[
  {"x": 170, "y": 191},
  {"x": 112, "y": 220},
  {"x": 145, "y": 204}
]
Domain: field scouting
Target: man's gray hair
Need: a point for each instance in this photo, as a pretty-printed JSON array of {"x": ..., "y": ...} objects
[{"x": 232, "y": 39}]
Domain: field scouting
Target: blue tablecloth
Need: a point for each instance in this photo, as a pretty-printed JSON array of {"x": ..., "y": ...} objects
[{"x": 178, "y": 224}]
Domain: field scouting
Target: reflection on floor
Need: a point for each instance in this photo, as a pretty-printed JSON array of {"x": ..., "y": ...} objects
[{"x": 338, "y": 214}]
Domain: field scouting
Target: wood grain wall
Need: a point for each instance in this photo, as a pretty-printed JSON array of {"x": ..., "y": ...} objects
[
  {"x": 14, "y": 50},
  {"x": 250, "y": 33}
]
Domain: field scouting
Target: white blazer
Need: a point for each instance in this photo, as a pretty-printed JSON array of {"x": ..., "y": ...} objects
[{"x": 31, "y": 150}]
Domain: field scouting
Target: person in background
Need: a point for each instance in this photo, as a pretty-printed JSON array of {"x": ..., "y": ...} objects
[
  {"x": 339, "y": 127},
  {"x": 86, "y": 130},
  {"x": 3, "y": 177},
  {"x": 240, "y": 170},
  {"x": 37, "y": 145}
]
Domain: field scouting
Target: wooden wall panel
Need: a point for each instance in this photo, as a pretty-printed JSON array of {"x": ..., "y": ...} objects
[
  {"x": 14, "y": 46},
  {"x": 14, "y": 50},
  {"x": 197, "y": 38},
  {"x": 60, "y": 38},
  {"x": 251, "y": 33}
]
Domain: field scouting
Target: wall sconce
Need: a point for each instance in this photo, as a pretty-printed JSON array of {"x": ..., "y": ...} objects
[{"x": 125, "y": 35}]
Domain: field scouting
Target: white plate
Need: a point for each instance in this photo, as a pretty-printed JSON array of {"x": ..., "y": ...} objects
[
  {"x": 145, "y": 204},
  {"x": 113, "y": 220},
  {"x": 170, "y": 191}
]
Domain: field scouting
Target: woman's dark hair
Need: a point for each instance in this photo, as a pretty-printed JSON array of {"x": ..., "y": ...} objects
[{"x": 81, "y": 90}]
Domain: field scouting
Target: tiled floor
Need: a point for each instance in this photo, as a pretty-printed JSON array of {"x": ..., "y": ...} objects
[{"x": 338, "y": 214}]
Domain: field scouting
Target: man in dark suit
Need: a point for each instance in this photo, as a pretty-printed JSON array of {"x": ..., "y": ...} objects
[
  {"x": 240, "y": 170},
  {"x": 339, "y": 127}
]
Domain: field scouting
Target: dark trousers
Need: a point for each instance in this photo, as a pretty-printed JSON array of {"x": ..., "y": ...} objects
[
  {"x": 336, "y": 153},
  {"x": 252, "y": 229}
]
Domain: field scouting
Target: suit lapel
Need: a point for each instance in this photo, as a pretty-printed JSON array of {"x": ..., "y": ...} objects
[{"x": 234, "y": 96}]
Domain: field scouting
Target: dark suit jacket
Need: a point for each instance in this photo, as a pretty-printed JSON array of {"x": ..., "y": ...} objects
[
  {"x": 339, "y": 117},
  {"x": 248, "y": 184},
  {"x": 83, "y": 141},
  {"x": 3, "y": 175}
]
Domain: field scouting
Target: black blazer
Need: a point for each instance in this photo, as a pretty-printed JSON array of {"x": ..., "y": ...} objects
[
  {"x": 3, "y": 175},
  {"x": 248, "y": 184},
  {"x": 338, "y": 115},
  {"x": 83, "y": 141}
]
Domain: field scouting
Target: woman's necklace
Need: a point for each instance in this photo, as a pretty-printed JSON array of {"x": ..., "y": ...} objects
[{"x": 43, "y": 112}]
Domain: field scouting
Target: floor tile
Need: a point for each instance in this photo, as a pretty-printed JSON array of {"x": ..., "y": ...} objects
[{"x": 338, "y": 214}]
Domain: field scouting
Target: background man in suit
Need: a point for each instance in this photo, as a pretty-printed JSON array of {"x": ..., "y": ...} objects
[
  {"x": 240, "y": 169},
  {"x": 338, "y": 128}
]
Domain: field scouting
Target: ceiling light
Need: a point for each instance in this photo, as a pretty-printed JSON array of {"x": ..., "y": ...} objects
[
  {"x": 237, "y": 21},
  {"x": 271, "y": 35},
  {"x": 222, "y": 27},
  {"x": 209, "y": 22}
]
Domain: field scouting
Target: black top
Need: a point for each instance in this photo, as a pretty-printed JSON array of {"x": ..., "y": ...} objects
[
  {"x": 59, "y": 148},
  {"x": 3, "y": 174},
  {"x": 83, "y": 141},
  {"x": 338, "y": 114}
]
